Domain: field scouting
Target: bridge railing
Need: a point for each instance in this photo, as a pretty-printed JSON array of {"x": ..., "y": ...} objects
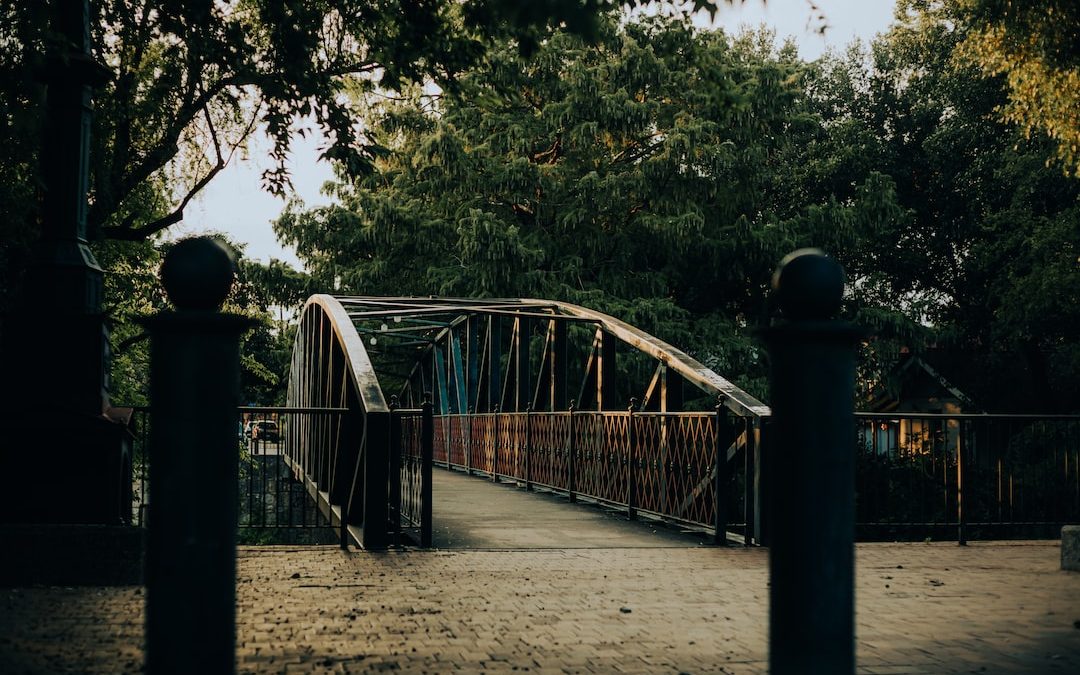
[
  {"x": 286, "y": 460},
  {"x": 410, "y": 480},
  {"x": 966, "y": 476},
  {"x": 660, "y": 465},
  {"x": 917, "y": 475}
]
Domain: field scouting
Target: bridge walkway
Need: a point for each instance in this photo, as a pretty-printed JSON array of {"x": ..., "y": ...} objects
[{"x": 470, "y": 512}]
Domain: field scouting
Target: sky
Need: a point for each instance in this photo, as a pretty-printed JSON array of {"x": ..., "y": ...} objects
[{"x": 235, "y": 203}]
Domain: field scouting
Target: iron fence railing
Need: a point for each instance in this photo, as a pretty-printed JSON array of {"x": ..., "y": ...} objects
[
  {"x": 287, "y": 461},
  {"x": 277, "y": 501},
  {"x": 410, "y": 480},
  {"x": 917, "y": 475},
  {"x": 662, "y": 465},
  {"x": 966, "y": 476}
]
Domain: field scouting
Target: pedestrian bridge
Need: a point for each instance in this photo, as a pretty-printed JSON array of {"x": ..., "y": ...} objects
[
  {"x": 551, "y": 397},
  {"x": 544, "y": 394}
]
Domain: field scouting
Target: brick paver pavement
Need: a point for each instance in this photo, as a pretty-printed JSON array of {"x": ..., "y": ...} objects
[{"x": 922, "y": 608}]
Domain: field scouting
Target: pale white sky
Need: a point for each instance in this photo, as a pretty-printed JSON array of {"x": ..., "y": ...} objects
[{"x": 234, "y": 202}]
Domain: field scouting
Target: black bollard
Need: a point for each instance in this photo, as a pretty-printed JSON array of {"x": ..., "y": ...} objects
[
  {"x": 194, "y": 394},
  {"x": 811, "y": 471}
]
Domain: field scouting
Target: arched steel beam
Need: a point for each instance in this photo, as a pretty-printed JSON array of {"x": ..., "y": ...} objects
[
  {"x": 455, "y": 311},
  {"x": 343, "y": 465},
  {"x": 359, "y": 366}
]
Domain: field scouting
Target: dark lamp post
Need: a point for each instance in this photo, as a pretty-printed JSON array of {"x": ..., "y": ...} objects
[{"x": 71, "y": 448}]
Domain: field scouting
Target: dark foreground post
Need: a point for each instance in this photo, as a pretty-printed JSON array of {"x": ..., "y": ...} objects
[
  {"x": 812, "y": 471},
  {"x": 194, "y": 393}
]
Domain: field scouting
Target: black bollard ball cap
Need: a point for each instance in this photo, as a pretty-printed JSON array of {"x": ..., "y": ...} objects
[
  {"x": 809, "y": 285},
  {"x": 198, "y": 273}
]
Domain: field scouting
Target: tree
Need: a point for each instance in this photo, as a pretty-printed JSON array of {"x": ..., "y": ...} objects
[
  {"x": 133, "y": 291},
  {"x": 987, "y": 257},
  {"x": 652, "y": 175},
  {"x": 1035, "y": 46}
]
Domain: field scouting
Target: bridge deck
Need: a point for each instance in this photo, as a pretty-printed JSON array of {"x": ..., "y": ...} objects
[{"x": 470, "y": 512}]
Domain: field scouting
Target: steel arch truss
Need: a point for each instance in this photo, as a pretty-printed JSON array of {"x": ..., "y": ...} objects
[
  {"x": 481, "y": 355},
  {"x": 343, "y": 460}
]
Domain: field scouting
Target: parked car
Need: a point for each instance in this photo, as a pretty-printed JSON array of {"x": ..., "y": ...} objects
[{"x": 265, "y": 430}]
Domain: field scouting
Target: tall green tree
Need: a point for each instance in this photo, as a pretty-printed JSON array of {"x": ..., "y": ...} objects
[
  {"x": 190, "y": 81},
  {"x": 651, "y": 174},
  {"x": 988, "y": 254}
]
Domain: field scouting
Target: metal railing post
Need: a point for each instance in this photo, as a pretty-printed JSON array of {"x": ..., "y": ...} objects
[
  {"x": 571, "y": 460},
  {"x": 495, "y": 445},
  {"x": 631, "y": 462},
  {"x": 811, "y": 501},
  {"x": 749, "y": 471},
  {"x": 467, "y": 418},
  {"x": 195, "y": 391},
  {"x": 528, "y": 448},
  {"x": 393, "y": 470},
  {"x": 721, "y": 475},
  {"x": 427, "y": 444}
]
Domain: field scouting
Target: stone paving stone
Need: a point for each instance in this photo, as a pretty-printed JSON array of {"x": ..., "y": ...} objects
[{"x": 921, "y": 608}]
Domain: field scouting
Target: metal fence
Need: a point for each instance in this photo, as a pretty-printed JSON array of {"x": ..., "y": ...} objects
[
  {"x": 917, "y": 475},
  {"x": 287, "y": 458},
  {"x": 277, "y": 503},
  {"x": 662, "y": 465},
  {"x": 410, "y": 480},
  {"x": 966, "y": 476}
]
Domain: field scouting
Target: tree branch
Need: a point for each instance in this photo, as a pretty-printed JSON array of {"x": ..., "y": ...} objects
[{"x": 141, "y": 233}]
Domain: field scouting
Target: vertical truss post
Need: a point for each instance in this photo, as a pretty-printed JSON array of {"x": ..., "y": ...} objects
[
  {"x": 458, "y": 385},
  {"x": 671, "y": 390},
  {"x": 472, "y": 363},
  {"x": 542, "y": 396},
  {"x": 523, "y": 376},
  {"x": 494, "y": 359},
  {"x": 605, "y": 377},
  {"x": 440, "y": 372},
  {"x": 558, "y": 365}
]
